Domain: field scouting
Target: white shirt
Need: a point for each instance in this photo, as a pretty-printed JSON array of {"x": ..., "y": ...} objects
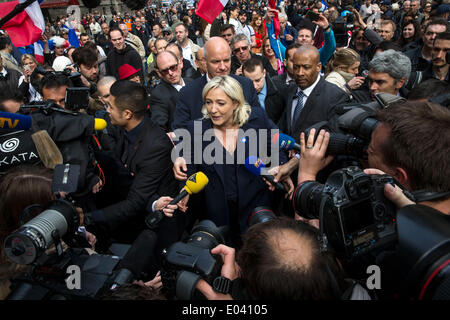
[
  {"x": 306, "y": 92},
  {"x": 179, "y": 86},
  {"x": 187, "y": 53}
]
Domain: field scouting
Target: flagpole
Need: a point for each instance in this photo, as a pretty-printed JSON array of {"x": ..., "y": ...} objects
[{"x": 17, "y": 9}]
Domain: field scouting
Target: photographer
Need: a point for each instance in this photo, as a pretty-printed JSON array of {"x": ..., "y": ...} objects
[
  {"x": 19, "y": 188},
  {"x": 87, "y": 62},
  {"x": 282, "y": 260}
]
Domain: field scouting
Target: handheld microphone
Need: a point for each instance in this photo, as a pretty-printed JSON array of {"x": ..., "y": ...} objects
[
  {"x": 255, "y": 166},
  {"x": 194, "y": 184},
  {"x": 138, "y": 260},
  {"x": 285, "y": 142},
  {"x": 14, "y": 121},
  {"x": 99, "y": 124}
]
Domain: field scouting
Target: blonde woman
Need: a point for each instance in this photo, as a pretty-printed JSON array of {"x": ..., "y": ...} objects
[
  {"x": 232, "y": 192},
  {"x": 343, "y": 70},
  {"x": 26, "y": 81}
]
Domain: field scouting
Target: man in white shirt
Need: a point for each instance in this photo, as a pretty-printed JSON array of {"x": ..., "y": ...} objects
[
  {"x": 366, "y": 9},
  {"x": 188, "y": 46}
]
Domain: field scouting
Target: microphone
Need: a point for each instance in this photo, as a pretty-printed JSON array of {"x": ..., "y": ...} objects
[
  {"x": 99, "y": 124},
  {"x": 194, "y": 184},
  {"x": 255, "y": 166},
  {"x": 14, "y": 121},
  {"x": 285, "y": 142},
  {"x": 138, "y": 260}
]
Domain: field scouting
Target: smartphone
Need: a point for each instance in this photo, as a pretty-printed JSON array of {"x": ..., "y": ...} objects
[{"x": 312, "y": 15}]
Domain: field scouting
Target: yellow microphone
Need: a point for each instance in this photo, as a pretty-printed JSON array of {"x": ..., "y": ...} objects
[
  {"x": 194, "y": 184},
  {"x": 99, "y": 124}
]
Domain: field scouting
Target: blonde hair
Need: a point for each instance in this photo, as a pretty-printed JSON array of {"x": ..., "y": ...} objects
[
  {"x": 343, "y": 59},
  {"x": 232, "y": 88},
  {"x": 28, "y": 56}
]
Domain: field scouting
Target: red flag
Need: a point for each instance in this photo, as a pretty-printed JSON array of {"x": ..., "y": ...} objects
[
  {"x": 208, "y": 10},
  {"x": 276, "y": 22},
  {"x": 26, "y": 27}
]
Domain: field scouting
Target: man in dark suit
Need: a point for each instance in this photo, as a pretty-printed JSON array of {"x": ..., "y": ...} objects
[
  {"x": 268, "y": 95},
  {"x": 165, "y": 95},
  {"x": 314, "y": 99},
  {"x": 143, "y": 153}
]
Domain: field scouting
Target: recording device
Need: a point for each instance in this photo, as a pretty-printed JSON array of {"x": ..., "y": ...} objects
[
  {"x": 138, "y": 261},
  {"x": 14, "y": 121},
  {"x": 255, "y": 166},
  {"x": 194, "y": 184},
  {"x": 357, "y": 122},
  {"x": 312, "y": 15},
  {"x": 356, "y": 216},
  {"x": 186, "y": 262},
  {"x": 77, "y": 98},
  {"x": 285, "y": 142},
  {"x": 261, "y": 215},
  {"x": 58, "y": 221}
]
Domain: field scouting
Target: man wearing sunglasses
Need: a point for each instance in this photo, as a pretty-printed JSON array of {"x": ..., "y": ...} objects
[
  {"x": 165, "y": 95},
  {"x": 240, "y": 46}
]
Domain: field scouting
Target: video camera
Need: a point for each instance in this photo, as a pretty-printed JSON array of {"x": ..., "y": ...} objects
[
  {"x": 77, "y": 97},
  {"x": 186, "y": 262},
  {"x": 357, "y": 122},
  {"x": 356, "y": 216}
]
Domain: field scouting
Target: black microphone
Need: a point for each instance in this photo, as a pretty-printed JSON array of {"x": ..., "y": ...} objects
[
  {"x": 255, "y": 166},
  {"x": 138, "y": 260}
]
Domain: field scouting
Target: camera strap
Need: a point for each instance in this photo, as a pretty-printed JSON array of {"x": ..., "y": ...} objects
[
  {"x": 424, "y": 195},
  {"x": 222, "y": 285}
]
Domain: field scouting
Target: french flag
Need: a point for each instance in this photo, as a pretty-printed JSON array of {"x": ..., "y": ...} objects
[
  {"x": 26, "y": 27},
  {"x": 208, "y": 10},
  {"x": 39, "y": 51},
  {"x": 73, "y": 38}
]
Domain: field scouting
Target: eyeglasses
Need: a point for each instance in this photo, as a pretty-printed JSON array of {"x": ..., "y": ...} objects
[
  {"x": 237, "y": 50},
  {"x": 172, "y": 68}
]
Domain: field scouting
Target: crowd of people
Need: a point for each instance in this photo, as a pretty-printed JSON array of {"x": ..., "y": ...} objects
[{"x": 175, "y": 89}]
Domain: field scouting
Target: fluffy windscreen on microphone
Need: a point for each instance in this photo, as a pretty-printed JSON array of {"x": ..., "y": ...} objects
[
  {"x": 14, "y": 121},
  {"x": 48, "y": 151},
  {"x": 196, "y": 182},
  {"x": 140, "y": 258}
]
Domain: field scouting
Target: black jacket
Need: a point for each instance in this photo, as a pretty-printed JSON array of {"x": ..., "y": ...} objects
[
  {"x": 188, "y": 70},
  {"x": 418, "y": 63},
  {"x": 318, "y": 107},
  {"x": 116, "y": 59},
  {"x": 10, "y": 82},
  {"x": 274, "y": 105},
  {"x": 163, "y": 102},
  {"x": 151, "y": 167}
]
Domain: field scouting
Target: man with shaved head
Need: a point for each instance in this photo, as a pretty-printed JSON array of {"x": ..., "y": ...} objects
[
  {"x": 313, "y": 99},
  {"x": 165, "y": 95}
]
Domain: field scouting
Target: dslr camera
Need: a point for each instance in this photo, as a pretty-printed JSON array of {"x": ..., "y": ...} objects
[
  {"x": 186, "y": 262},
  {"x": 354, "y": 214}
]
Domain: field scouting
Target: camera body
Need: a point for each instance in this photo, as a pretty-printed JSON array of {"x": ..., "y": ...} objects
[
  {"x": 357, "y": 217},
  {"x": 186, "y": 262}
]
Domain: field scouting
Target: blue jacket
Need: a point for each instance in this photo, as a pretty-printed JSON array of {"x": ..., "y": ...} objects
[{"x": 252, "y": 190}]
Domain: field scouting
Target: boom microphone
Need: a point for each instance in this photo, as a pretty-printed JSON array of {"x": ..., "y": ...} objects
[
  {"x": 138, "y": 261},
  {"x": 255, "y": 166},
  {"x": 285, "y": 142},
  {"x": 14, "y": 121},
  {"x": 194, "y": 184}
]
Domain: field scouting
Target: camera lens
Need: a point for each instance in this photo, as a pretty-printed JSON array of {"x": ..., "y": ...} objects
[
  {"x": 206, "y": 235},
  {"x": 346, "y": 144},
  {"x": 261, "y": 215},
  {"x": 307, "y": 198}
]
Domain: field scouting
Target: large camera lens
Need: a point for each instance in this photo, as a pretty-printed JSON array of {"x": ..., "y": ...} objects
[
  {"x": 206, "y": 235},
  {"x": 261, "y": 215},
  {"x": 307, "y": 198},
  {"x": 341, "y": 144}
]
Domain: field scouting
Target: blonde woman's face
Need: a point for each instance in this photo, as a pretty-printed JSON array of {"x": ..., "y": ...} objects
[{"x": 220, "y": 108}]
